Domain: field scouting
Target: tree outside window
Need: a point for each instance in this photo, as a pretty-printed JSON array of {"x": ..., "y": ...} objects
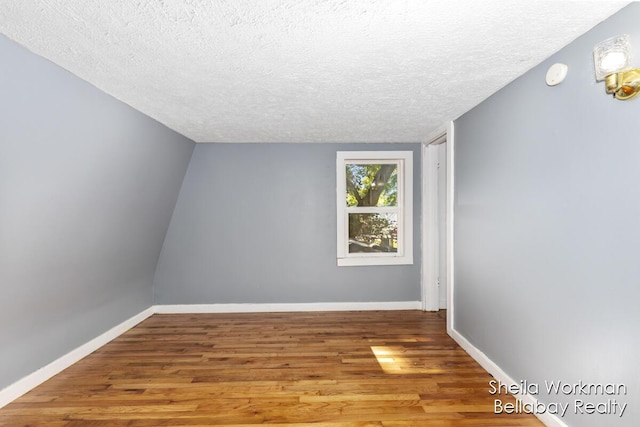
[
  {"x": 372, "y": 207},
  {"x": 372, "y": 185}
]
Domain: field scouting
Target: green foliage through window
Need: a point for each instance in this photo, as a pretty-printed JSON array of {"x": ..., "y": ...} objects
[{"x": 372, "y": 184}]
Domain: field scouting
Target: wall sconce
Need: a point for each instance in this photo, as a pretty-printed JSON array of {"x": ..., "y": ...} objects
[{"x": 612, "y": 62}]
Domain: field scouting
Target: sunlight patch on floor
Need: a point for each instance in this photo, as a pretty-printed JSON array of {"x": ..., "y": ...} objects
[{"x": 398, "y": 360}]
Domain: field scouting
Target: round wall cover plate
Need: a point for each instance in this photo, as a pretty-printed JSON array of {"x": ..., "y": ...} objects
[{"x": 556, "y": 74}]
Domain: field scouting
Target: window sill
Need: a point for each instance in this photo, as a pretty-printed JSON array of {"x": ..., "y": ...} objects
[{"x": 361, "y": 261}]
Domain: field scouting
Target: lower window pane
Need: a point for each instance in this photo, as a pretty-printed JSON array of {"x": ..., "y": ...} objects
[{"x": 373, "y": 232}]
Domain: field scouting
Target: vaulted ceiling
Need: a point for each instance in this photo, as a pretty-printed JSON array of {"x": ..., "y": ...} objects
[{"x": 300, "y": 70}]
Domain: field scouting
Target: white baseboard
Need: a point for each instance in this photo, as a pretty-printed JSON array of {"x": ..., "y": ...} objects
[
  {"x": 489, "y": 365},
  {"x": 22, "y": 386},
  {"x": 264, "y": 308}
]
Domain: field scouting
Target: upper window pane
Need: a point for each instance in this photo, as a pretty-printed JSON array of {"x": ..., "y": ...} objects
[{"x": 372, "y": 184}]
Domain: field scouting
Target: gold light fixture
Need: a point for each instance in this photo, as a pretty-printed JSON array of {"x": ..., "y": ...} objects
[{"x": 612, "y": 60}]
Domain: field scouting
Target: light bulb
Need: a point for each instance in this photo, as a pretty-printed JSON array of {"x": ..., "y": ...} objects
[{"x": 611, "y": 56}]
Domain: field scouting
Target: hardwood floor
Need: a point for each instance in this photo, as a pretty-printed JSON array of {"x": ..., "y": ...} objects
[{"x": 337, "y": 369}]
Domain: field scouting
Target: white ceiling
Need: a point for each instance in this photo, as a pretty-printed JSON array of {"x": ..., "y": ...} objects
[{"x": 300, "y": 70}]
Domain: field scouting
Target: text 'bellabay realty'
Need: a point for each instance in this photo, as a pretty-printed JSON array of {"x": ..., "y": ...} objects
[{"x": 582, "y": 404}]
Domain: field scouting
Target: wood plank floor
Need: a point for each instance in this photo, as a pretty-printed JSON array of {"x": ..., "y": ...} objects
[{"x": 337, "y": 369}]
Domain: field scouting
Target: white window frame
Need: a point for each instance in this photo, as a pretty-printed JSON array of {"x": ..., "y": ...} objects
[{"x": 404, "y": 159}]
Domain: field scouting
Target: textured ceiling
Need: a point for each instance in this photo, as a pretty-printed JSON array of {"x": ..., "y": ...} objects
[{"x": 299, "y": 70}]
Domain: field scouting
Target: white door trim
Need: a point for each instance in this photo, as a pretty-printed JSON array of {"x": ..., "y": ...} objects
[
  {"x": 449, "y": 225},
  {"x": 430, "y": 236}
]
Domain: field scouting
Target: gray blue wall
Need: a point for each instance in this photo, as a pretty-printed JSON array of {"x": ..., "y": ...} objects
[
  {"x": 547, "y": 227},
  {"x": 256, "y": 223},
  {"x": 87, "y": 189}
]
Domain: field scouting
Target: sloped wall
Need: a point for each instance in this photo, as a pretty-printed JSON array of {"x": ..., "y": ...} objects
[{"x": 87, "y": 189}]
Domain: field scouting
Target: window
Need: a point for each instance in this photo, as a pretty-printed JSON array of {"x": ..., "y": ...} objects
[{"x": 375, "y": 207}]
